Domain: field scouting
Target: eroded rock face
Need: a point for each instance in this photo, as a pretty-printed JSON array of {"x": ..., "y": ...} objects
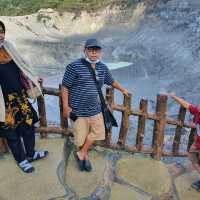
[
  {"x": 160, "y": 38},
  {"x": 183, "y": 17},
  {"x": 61, "y": 36}
]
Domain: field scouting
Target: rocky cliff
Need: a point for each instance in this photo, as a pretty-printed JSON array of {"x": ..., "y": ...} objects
[{"x": 160, "y": 38}]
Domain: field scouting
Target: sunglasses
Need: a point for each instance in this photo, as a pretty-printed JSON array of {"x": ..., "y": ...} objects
[{"x": 94, "y": 49}]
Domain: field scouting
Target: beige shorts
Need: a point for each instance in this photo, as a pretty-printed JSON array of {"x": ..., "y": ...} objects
[{"x": 91, "y": 127}]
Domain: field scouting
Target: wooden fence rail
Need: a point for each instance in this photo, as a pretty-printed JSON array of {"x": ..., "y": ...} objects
[{"x": 159, "y": 117}]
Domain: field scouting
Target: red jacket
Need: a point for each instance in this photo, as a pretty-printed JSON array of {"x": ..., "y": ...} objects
[{"x": 194, "y": 111}]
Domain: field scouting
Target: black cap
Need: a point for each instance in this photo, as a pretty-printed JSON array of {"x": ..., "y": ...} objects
[{"x": 93, "y": 42}]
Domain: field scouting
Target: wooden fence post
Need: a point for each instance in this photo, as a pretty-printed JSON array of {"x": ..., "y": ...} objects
[
  {"x": 42, "y": 113},
  {"x": 159, "y": 126},
  {"x": 191, "y": 138},
  {"x": 177, "y": 137},
  {"x": 63, "y": 121},
  {"x": 110, "y": 101},
  {"x": 141, "y": 124},
  {"x": 125, "y": 121}
]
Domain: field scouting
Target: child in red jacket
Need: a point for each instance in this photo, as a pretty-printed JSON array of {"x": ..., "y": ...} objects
[{"x": 195, "y": 148}]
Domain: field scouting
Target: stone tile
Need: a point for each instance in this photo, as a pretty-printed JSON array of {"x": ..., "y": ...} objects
[
  {"x": 183, "y": 186},
  {"x": 175, "y": 169},
  {"x": 84, "y": 183},
  {"x": 39, "y": 185},
  {"x": 166, "y": 196},
  {"x": 120, "y": 192},
  {"x": 150, "y": 175}
]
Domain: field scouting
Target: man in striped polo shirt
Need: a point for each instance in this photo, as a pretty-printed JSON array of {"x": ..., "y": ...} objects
[{"x": 81, "y": 100}]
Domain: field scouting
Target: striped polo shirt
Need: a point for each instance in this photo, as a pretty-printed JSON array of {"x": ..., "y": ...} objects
[{"x": 83, "y": 95}]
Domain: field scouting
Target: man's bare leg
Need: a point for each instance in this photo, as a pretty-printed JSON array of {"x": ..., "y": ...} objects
[{"x": 83, "y": 153}]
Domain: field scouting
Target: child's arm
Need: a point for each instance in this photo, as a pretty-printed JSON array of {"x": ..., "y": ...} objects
[{"x": 179, "y": 100}]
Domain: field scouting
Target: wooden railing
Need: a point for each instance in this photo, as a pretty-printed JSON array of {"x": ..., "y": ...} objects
[{"x": 159, "y": 118}]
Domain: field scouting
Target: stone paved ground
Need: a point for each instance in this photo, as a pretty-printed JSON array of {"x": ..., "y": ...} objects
[
  {"x": 116, "y": 176},
  {"x": 40, "y": 185}
]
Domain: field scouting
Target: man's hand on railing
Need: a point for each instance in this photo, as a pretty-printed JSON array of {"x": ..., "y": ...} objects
[
  {"x": 119, "y": 87},
  {"x": 125, "y": 92},
  {"x": 66, "y": 111}
]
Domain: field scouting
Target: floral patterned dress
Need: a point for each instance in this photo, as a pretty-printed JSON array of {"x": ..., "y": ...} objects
[{"x": 18, "y": 108}]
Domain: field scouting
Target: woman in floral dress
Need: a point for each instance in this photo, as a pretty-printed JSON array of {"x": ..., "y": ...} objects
[{"x": 17, "y": 116}]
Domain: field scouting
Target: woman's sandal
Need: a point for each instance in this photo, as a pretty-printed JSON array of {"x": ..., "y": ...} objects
[
  {"x": 38, "y": 155},
  {"x": 26, "y": 166}
]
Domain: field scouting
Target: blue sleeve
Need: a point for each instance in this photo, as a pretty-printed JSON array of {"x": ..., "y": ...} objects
[
  {"x": 69, "y": 76},
  {"x": 108, "y": 79}
]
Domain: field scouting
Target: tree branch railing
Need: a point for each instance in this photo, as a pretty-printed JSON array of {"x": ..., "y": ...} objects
[{"x": 159, "y": 118}]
